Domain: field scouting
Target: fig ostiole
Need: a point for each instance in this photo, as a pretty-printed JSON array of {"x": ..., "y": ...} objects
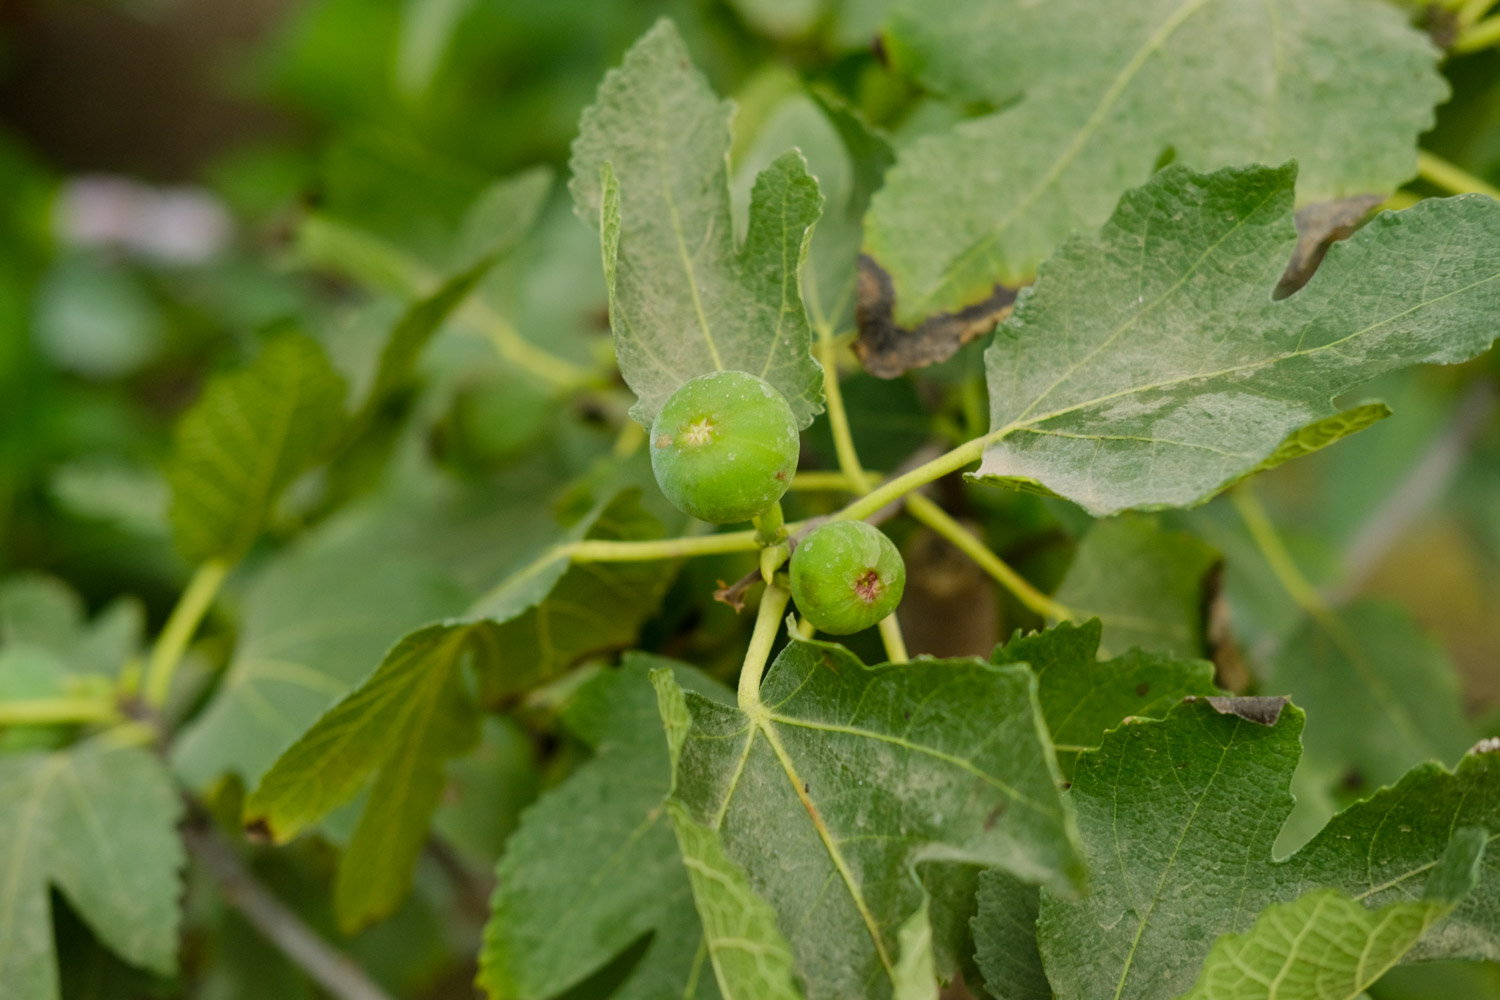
[
  {"x": 846, "y": 577},
  {"x": 724, "y": 447}
]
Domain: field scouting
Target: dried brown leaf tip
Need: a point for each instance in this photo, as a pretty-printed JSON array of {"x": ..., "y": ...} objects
[
  {"x": 1261, "y": 711},
  {"x": 888, "y": 350},
  {"x": 1319, "y": 226}
]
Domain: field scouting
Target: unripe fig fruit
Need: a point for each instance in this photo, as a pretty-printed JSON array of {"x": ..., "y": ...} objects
[
  {"x": 724, "y": 447},
  {"x": 846, "y": 576}
]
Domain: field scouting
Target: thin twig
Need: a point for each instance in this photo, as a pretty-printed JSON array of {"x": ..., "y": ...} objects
[{"x": 330, "y": 968}]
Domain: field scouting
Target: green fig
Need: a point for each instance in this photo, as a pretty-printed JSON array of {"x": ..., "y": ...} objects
[
  {"x": 846, "y": 577},
  {"x": 724, "y": 447}
]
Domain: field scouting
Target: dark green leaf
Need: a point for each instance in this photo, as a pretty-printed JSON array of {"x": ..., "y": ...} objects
[
  {"x": 1082, "y": 697},
  {"x": 595, "y": 866},
  {"x": 249, "y": 435},
  {"x": 1385, "y": 695},
  {"x": 846, "y": 780},
  {"x": 1179, "y": 818},
  {"x": 1147, "y": 586}
]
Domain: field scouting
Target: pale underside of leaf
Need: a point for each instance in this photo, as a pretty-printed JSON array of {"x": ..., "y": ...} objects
[
  {"x": 649, "y": 169},
  {"x": 1150, "y": 367},
  {"x": 99, "y": 824}
]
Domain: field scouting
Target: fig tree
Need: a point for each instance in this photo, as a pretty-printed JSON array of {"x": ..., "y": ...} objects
[
  {"x": 846, "y": 576},
  {"x": 724, "y": 447}
]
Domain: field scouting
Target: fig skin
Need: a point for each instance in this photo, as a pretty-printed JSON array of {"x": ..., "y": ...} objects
[
  {"x": 846, "y": 577},
  {"x": 724, "y": 447}
]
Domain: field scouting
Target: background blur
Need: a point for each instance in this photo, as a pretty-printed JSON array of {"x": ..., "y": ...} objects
[{"x": 178, "y": 176}]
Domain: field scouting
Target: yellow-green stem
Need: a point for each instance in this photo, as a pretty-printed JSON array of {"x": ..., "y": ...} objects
[
  {"x": 1399, "y": 201},
  {"x": 1438, "y": 171},
  {"x": 830, "y": 481},
  {"x": 806, "y": 629},
  {"x": 181, "y": 624},
  {"x": 522, "y": 353},
  {"x": 900, "y": 486},
  {"x": 57, "y": 711},
  {"x": 767, "y": 624},
  {"x": 1274, "y": 551},
  {"x": 1470, "y": 11},
  {"x": 605, "y": 550},
  {"x": 895, "y": 643},
  {"x": 961, "y": 538},
  {"x": 770, "y": 525},
  {"x": 838, "y": 417}
]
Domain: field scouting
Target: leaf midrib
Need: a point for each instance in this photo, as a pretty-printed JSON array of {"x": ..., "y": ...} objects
[
  {"x": 1117, "y": 87},
  {"x": 1171, "y": 861},
  {"x": 1019, "y": 424}
]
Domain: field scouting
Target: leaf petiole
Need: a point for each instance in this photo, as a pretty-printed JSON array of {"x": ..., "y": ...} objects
[
  {"x": 767, "y": 624},
  {"x": 181, "y": 624},
  {"x": 926, "y": 512},
  {"x": 57, "y": 711},
  {"x": 894, "y": 641},
  {"x": 1438, "y": 171}
]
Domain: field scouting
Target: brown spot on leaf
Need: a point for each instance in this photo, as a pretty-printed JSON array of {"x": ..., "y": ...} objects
[
  {"x": 994, "y": 815},
  {"x": 1319, "y": 226},
  {"x": 1142, "y": 689},
  {"x": 1261, "y": 711},
  {"x": 888, "y": 350},
  {"x": 259, "y": 831}
]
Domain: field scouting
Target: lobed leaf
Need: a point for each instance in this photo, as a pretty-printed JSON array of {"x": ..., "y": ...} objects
[
  {"x": 846, "y": 782},
  {"x": 595, "y": 865},
  {"x": 329, "y": 606},
  {"x": 42, "y": 613},
  {"x": 1150, "y": 367},
  {"x": 649, "y": 169},
  {"x": 246, "y": 438},
  {"x": 99, "y": 824},
  {"x": 1094, "y": 95},
  {"x": 1326, "y": 946},
  {"x": 1082, "y": 697},
  {"x": 404, "y": 723},
  {"x": 414, "y": 713},
  {"x": 1179, "y": 817}
]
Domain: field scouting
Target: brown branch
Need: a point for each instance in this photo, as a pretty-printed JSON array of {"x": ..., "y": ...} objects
[{"x": 330, "y": 968}]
